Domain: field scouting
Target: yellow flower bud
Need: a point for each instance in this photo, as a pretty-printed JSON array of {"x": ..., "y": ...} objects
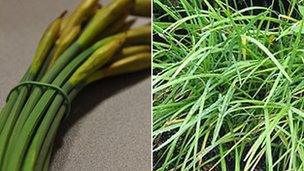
[
  {"x": 126, "y": 65},
  {"x": 99, "y": 58}
]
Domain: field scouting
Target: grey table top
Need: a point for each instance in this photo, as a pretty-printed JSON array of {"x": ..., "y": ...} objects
[{"x": 110, "y": 124}]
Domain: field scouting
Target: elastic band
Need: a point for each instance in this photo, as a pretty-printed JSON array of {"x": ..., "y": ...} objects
[{"x": 50, "y": 86}]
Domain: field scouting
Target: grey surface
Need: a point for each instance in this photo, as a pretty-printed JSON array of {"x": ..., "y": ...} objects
[{"x": 109, "y": 127}]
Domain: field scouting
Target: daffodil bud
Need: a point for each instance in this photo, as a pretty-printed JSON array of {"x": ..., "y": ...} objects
[
  {"x": 139, "y": 35},
  {"x": 45, "y": 45},
  {"x": 80, "y": 14},
  {"x": 126, "y": 65},
  {"x": 99, "y": 58},
  {"x": 103, "y": 18},
  {"x": 114, "y": 27},
  {"x": 63, "y": 43},
  {"x": 131, "y": 50}
]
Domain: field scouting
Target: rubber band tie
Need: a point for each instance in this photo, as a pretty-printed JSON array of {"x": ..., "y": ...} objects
[{"x": 48, "y": 86}]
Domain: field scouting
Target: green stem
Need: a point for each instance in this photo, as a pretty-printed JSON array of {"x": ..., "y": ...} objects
[
  {"x": 9, "y": 105},
  {"x": 46, "y": 163},
  {"x": 46, "y": 133},
  {"x": 48, "y": 78},
  {"x": 35, "y": 146},
  {"x": 13, "y": 115}
]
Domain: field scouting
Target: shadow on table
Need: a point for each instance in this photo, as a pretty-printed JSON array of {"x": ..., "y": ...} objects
[{"x": 92, "y": 95}]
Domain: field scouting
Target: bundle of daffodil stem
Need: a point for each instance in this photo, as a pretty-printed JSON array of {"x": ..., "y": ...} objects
[{"x": 90, "y": 43}]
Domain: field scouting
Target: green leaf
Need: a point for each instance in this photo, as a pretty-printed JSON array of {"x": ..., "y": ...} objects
[{"x": 301, "y": 9}]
